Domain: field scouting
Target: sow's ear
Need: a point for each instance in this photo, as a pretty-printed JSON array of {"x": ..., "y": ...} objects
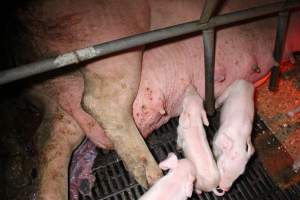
[{"x": 169, "y": 163}]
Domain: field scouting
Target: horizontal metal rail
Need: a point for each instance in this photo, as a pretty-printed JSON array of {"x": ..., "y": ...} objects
[{"x": 106, "y": 48}]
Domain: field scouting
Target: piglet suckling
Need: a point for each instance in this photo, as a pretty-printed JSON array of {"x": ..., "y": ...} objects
[
  {"x": 177, "y": 184},
  {"x": 232, "y": 143},
  {"x": 192, "y": 139}
]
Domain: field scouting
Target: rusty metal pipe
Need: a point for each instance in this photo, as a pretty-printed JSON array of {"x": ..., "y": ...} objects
[
  {"x": 106, "y": 48},
  {"x": 282, "y": 26}
]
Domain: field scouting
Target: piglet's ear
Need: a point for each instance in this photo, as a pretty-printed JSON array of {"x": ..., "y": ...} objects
[
  {"x": 250, "y": 148},
  {"x": 225, "y": 142},
  {"x": 169, "y": 163},
  {"x": 184, "y": 120}
]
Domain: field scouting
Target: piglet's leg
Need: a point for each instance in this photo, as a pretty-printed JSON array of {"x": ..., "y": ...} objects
[
  {"x": 57, "y": 137},
  {"x": 110, "y": 88}
]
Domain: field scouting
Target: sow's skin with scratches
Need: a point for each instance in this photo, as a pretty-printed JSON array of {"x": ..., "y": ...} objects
[
  {"x": 177, "y": 184},
  {"x": 113, "y": 99}
]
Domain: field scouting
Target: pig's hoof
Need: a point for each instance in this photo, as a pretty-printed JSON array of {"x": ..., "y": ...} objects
[{"x": 152, "y": 173}]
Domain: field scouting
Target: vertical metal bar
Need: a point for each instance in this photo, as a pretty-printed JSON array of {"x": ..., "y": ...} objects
[
  {"x": 282, "y": 25},
  {"x": 209, "y": 60},
  {"x": 209, "y": 55},
  {"x": 208, "y": 10}
]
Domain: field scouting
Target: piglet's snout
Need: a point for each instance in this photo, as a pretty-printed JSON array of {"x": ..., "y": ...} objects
[{"x": 219, "y": 191}]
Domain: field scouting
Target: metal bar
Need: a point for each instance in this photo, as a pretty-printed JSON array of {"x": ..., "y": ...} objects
[
  {"x": 209, "y": 8},
  {"x": 282, "y": 26},
  {"x": 209, "y": 56},
  {"x": 80, "y": 55},
  {"x": 209, "y": 60}
]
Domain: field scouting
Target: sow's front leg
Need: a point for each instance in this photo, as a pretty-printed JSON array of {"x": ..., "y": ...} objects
[{"x": 111, "y": 86}]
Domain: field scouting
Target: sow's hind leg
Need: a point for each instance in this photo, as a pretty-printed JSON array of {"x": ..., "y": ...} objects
[
  {"x": 57, "y": 137},
  {"x": 59, "y": 98}
]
